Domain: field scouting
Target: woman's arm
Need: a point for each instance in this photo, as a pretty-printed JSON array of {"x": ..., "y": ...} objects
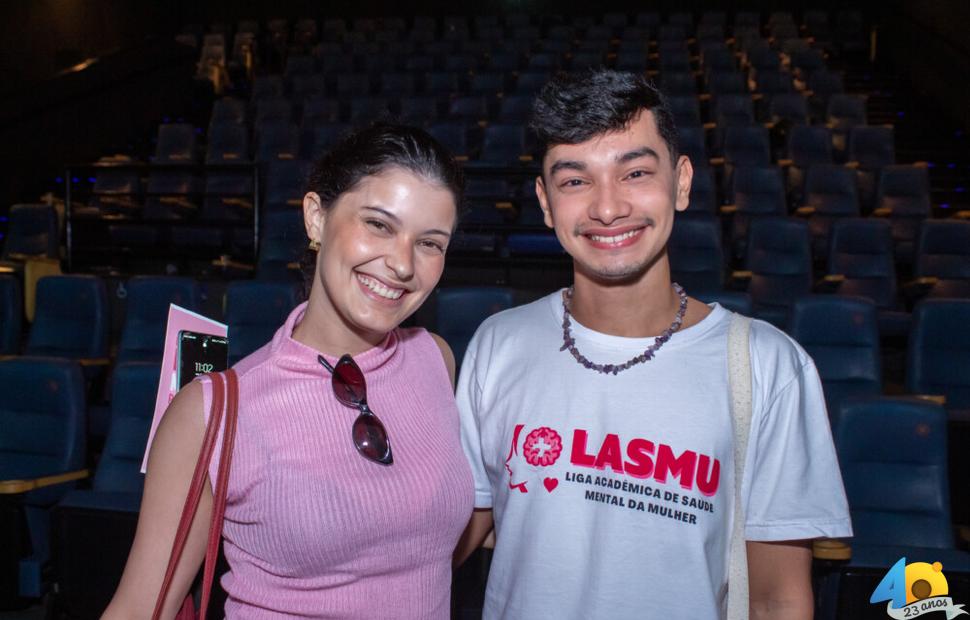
[
  {"x": 171, "y": 462},
  {"x": 476, "y": 532}
]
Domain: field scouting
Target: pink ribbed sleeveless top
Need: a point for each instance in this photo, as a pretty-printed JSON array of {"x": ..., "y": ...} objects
[{"x": 313, "y": 529}]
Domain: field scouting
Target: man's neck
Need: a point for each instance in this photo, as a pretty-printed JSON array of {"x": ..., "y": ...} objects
[{"x": 635, "y": 309}]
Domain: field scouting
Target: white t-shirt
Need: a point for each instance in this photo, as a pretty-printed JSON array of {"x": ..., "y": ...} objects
[{"x": 613, "y": 494}]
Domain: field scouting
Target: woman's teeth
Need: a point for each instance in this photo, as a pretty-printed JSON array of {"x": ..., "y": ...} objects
[{"x": 380, "y": 289}]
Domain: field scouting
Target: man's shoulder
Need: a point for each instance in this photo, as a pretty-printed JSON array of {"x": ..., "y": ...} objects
[
  {"x": 530, "y": 314},
  {"x": 513, "y": 325},
  {"x": 766, "y": 339},
  {"x": 776, "y": 357}
]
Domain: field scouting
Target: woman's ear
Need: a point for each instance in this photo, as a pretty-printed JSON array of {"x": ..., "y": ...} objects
[{"x": 314, "y": 217}]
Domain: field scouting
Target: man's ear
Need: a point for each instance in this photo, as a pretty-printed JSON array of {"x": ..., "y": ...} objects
[
  {"x": 314, "y": 217},
  {"x": 684, "y": 177},
  {"x": 544, "y": 201}
]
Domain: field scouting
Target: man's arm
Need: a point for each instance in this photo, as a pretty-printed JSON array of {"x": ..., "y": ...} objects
[
  {"x": 779, "y": 580},
  {"x": 478, "y": 528}
]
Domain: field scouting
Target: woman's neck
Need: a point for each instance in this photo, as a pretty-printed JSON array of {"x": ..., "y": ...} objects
[{"x": 322, "y": 328}]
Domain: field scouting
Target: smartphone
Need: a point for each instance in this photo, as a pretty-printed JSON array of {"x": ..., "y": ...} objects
[{"x": 199, "y": 354}]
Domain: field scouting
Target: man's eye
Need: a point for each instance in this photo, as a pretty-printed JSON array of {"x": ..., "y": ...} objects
[
  {"x": 636, "y": 174},
  {"x": 572, "y": 183}
]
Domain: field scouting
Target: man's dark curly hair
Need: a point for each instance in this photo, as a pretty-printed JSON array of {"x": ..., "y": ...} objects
[{"x": 573, "y": 107}]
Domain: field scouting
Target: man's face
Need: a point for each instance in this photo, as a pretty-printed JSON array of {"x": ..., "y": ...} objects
[{"x": 611, "y": 199}]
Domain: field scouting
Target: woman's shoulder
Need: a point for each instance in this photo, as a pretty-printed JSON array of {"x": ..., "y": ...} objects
[{"x": 423, "y": 342}]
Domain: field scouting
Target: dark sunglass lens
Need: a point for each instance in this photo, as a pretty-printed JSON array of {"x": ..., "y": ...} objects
[
  {"x": 348, "y": 382},
  {"x": 371, "y": 438}
]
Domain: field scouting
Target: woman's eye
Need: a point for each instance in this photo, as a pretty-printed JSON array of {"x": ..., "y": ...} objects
[{"x": 378, "y": 225}]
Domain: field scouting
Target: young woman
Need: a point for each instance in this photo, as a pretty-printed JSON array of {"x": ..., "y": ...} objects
[{"x": 334, "y": 510}]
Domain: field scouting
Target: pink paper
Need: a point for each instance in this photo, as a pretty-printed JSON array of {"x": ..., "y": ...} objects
[{"x": 178, "y": 319}]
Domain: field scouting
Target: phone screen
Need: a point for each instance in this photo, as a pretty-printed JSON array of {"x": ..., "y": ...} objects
[{"x": 199, "y": 354}]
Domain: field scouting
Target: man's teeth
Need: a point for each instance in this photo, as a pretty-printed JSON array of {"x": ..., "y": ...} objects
[
  {"x": 616, "y": 239},
  {"x": 380, "y": 289}
]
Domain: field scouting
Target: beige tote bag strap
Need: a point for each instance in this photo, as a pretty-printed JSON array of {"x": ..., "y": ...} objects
[{"x": 739, "y": 378}]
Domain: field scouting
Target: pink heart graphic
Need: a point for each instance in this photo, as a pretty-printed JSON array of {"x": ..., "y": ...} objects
[{"x": 550, "y": 484}]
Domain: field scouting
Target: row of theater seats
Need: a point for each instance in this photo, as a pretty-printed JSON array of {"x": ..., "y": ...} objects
[
  {"x": 875, "y": 436},
  {"x": 727, "y": 78},
  {"x": 845, "y": 31},
  {"x": 892, "y": 260},
  {"x": 73, "y": 315}
]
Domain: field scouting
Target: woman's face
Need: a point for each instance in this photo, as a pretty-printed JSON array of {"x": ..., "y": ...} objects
[{"x": 382, "y": 249}]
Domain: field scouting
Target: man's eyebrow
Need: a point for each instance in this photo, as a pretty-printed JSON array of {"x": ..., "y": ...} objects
[
  {"x": 397, "y": 220},
  {"x": 566, "y": 164},
  {"x": 643, "y": 151}
]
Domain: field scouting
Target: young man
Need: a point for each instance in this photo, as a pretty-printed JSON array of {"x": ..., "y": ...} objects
[{"x": 598, "y": 419}]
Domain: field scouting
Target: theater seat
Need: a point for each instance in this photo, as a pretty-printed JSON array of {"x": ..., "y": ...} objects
[
  {"x": 100, "y": 522},
  {"x": 829, "y": 195},
  {"x": 943, "y": 259},
  {"x": 41, "y": 457},
  {"x": 696, "y": 253},
  {"x": 903, "y": 196},
  {"x": 938, "y": 357},
  {"x": 893, "y": 456},
  {"x": 842, "y": 336},
  {"x": 461, "y": 310},
  {"x": 254, "y": 311},
  {"x": 11, "y": 315},
  {"x": 861, "y": 264},
  {"x": 146, "y": 314},
  {"x": 780, "y": 261},
  {"x": 71, "y": 319}
]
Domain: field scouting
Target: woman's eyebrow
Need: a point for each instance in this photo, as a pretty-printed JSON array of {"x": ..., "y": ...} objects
[
  {"x": 397, "y": 220},
  {"x": 383, "y": 212}
]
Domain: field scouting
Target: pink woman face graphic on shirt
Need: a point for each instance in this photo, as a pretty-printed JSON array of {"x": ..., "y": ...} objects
[{"x": 529, "y": 456}]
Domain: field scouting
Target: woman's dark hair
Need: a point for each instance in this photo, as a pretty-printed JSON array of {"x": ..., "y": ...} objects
[
  {"x": 573, "y": 107},
  {"x": 370, "y": 151}
]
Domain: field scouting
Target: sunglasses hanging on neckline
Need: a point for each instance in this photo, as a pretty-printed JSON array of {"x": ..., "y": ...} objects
[{"x": 369, "y": 435}]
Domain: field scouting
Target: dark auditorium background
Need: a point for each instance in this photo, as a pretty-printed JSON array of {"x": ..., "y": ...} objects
[{"x": 142, "y": 164}]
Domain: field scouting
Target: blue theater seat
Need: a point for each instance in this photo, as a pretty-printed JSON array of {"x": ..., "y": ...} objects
[
  {"x": 11, "y": 314},
  {"x": 71, "y": 320},
  {"x": 938, "y": 356},
  {"x": 254, "y": 311},
  {"x": 100, "y": 522},
  {"x": 282, "y": 243},
  {"x": 461, "y": 310},
  {"x": 942, "y": 264},
  {"x": 31, "y": 233},
  {"x": 842, "y": 336},
  {"x": 780, "y": 261},
  {"x": 893, "y": 456},
  {"x": 903, "y": 196},
  {"x": 696, "y": 253},
  {"x": 41, "y": 455},
  {"x": 861, "y": 264},
  {"x": 146, "y": 314},
  {"x": 829, "y": 195}
]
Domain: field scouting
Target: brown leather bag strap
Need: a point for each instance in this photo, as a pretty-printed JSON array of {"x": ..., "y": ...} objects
[
  {"x": 222, "y": 486},
  {"x": 195, "y": 491}
]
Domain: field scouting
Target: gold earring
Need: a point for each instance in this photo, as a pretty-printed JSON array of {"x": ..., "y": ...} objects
[{"x": 314, "y": 245}]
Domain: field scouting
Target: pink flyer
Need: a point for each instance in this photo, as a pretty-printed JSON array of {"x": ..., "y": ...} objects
[{"x": 179, "y": 319}]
